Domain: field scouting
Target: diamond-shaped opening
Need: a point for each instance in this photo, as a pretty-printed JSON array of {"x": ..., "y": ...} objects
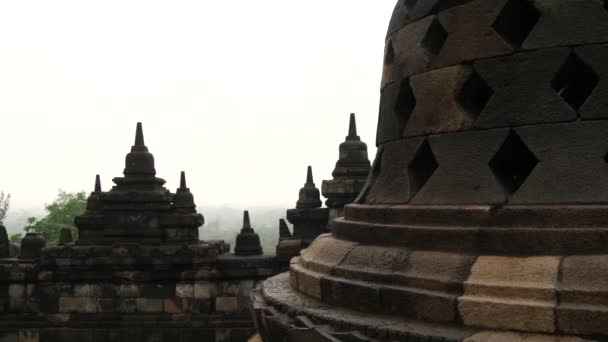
[
  {"x": 421, "y": 168},
  {"x": 606, "y": 157},
  {"x": 389, "y": 56},
  {"x": 434, "y": 37},
  {"x": 405, "y": 102},
  {"x": 474, "y": 94},
  {"x": 515, "y": 21},
  {"x": 513, "y": 163},
  {"x": 575, "y": 81}
]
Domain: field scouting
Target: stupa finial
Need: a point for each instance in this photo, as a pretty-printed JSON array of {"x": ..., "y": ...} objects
[
  {"x": 139, "y": 135},
  {"x": 309, "y": 180},
  {"x": 246, "y": 223},
  {"x": 97, "y": 184},
  {"x": 352, "y": 127},
  {"x": 182, "y": 180}
]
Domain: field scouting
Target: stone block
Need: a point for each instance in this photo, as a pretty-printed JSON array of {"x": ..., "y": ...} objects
[
  {"x": 406, "y": 53},
  {"x": 158, "y": 290},
  {"x": 392, "y": 184},
  {"x": 16, "y": 304},
  {"x": 397, "y": 102},
  {"x": 523, "y": 93},
  {"x": 9, "y": 337},
  {"x": 511, "y": 293},
  {"x": 469, "y": 33},
  {"x": 439, "y": 104},
  {"x": 204, "y": 289},
  {"x": 30, "y": 335},
  {"x": 129, "y": 290},
  {"x": 419, "y": 304},
  {"x": 245, "y": 286},
  {"x": 126, "y": 305},
  {"x": 308, "y": 282},
  {"x": 459, "y": 179},
  {"x": 559, "y": 147},
  {"x": 372, "y": 263},
  {"x": 196, "y": 306},
  {"x": 16, "y": 290},
  {"x": 352, "y": 294},
  {"x": 184, "y": 290},
  {"x": 325, "y": 253},
  {"x": 226, "y": 304},
  {"x": 87, "y": 290},
  {"x": 228, "y": 288},
  {"x": 149, "y": 305},
  {"x": 583, "y": 306},
  {"x": 77, "y": 304},
  {"x": 568, "y": 22},
  {"x": 172, "y": 305},
  {"x": 106, "y": 304}
]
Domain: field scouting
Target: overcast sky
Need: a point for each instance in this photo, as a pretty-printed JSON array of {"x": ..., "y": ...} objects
[{"x": 241, "y": 94}]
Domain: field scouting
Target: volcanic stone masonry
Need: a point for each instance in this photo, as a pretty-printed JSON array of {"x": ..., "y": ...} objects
[
  {"x": 349, "y": 175},
  {"x": 484, "y": 214},
  {"x": 308, "y": 218},
  {"x": 136, "y": 272}
]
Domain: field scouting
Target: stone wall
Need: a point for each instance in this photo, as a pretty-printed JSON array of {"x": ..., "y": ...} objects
[{"x": 77, "y": 303}]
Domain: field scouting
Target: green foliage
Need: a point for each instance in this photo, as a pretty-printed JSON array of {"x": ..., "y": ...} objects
[
  {"x": 16, "y": 238},
  {"x": 5, "y": 204},
  {"x": 60, "y": 214}
]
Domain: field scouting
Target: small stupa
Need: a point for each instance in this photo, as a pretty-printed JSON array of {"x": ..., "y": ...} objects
[
  {"x": 350, "y": 173},
  {"x": 247, "y": 241}
]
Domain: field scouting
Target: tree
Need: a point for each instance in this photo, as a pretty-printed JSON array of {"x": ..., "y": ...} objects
[
  {"x": 5, "y": 204},
  {"x": 60, "y": 214}
]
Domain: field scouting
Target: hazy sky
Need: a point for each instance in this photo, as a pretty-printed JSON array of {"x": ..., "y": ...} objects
[{"x": 241, "y": 94}]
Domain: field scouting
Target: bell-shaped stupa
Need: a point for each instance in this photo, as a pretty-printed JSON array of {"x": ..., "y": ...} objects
[{"x": 484, "y": 215}]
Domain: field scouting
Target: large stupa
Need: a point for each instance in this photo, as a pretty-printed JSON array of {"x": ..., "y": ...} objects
[{"x": 485, "y": 215}]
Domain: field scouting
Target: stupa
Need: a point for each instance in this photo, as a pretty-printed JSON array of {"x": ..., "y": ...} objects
[
  {"x": 350, "y": 173},
  {"x": 137, "y": 271},
  {"x": 309, "y": 221},
  {"x": 247, "y": 241},
  {"x": 484, "y": 215}
]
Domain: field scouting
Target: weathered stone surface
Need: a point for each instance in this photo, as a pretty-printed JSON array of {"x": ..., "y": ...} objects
[
  {"x": 437, "y": 107},
  {"x": 594, "y": 106},
  {"x": 203, "y": 289},
  {"x": 399, "y": 153},
  {"x": 511, "y": 293},
  {"x": 583, "y": 306},
  {"x": 560, "y": 147},
  {"x": 326, "y": 253},
  {"x": 226, "y": 304},
  {"x": 463, "y": 180},
  {"x": 406, "y": 53},
  {"x": 470, "y": 34},
  {"x": 184, "y": 290},
  {"x": 77, "y": 304},
  {"x": 522, "y": 89},
  {"x": 397, "y": 102},
  {"x": 568, "y": 22},
  {"x": 149, "y": 305}
]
